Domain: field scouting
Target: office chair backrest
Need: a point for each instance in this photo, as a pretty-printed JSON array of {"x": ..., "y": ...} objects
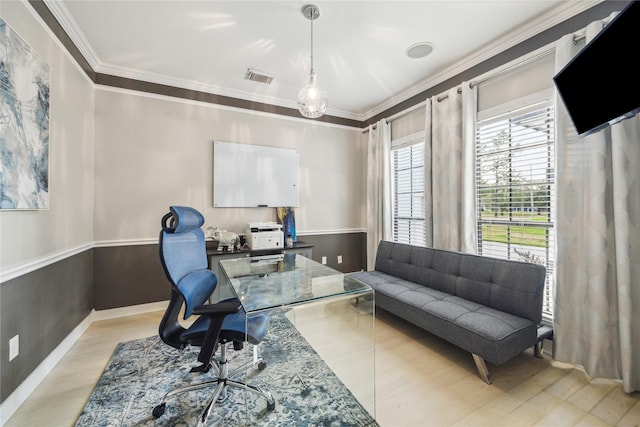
[
  {"x": 182, "y": 242},
  {"x": 184, "y": 258}
]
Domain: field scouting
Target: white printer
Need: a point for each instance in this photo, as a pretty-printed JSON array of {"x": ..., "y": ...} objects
[{"x": 265, "y": 235}]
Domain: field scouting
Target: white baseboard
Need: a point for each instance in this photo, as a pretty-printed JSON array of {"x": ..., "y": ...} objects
[
  {"x": 28, "y": 386},
  {"x": 24, "y": 390},
  {"x": 114, "y": 313}
]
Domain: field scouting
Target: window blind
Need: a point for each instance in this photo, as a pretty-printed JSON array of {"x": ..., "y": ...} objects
[
  {"x": 408, "y": 194},
  {"x": 515, "y": 179}
]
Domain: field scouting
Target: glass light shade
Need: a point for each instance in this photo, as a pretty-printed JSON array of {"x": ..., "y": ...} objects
[{"x": 312, "y": 101}]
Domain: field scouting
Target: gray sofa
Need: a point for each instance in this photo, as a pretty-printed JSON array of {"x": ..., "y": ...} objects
[{"x": 489, "y": 307}]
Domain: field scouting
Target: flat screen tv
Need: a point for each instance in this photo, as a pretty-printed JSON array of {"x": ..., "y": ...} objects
[{"x": 600, "y": 86}]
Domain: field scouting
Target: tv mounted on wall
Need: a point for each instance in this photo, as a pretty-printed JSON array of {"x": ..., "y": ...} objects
[{"x": 600, "y": 86}]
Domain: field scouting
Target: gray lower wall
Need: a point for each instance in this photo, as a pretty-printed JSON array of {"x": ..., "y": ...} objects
[
  {"x": 128, "y": 275},
  {"x": 352, "y": 247},
  {"x": 131, "y": 275},
  {"x": 42, "y": 307}
]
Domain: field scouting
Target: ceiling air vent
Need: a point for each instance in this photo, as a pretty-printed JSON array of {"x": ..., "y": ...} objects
[{"x": 257, "y": 76}]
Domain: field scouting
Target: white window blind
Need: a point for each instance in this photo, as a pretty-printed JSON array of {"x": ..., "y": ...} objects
[
  {"x": 408, "y": 194},
  {"x": 515, "y": 180}
]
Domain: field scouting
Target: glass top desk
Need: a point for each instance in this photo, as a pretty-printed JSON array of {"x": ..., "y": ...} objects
[{"x": 317, "y": 311}]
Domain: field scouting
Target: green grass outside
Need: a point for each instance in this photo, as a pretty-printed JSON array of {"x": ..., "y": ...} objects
[{"x": 519, "y": 234}]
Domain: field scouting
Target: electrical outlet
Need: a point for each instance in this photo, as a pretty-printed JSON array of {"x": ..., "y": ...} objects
[
  {"x": 324, "y": 260},
  {"x": 339, "y": 259},
  {"x": 14, "y": 347}
]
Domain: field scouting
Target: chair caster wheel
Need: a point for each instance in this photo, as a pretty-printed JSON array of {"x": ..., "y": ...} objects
[
  {"x": 158, "y": 410},
  {"x": 262, "y": 364},
  {"x": 271, "y": 406}
]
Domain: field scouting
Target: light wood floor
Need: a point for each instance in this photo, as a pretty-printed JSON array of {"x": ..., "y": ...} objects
[{"x": 420, "y": 381}]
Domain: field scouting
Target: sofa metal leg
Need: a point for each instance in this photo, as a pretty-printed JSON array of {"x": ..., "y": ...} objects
[
  {"x": 545, "y": 332},
  {"x": 482, "y": 368},
  {"x": 537, "y": 349}
]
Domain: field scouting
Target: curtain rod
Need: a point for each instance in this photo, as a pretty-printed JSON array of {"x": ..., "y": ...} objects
[
  {"x": 400, "y": 114},
  {"x": 443, "y": 97},
  {"x": 549, "y": 49},
  {"x": 582, "y": 34},
  {"x": 542, "y": 54},
  {"x": 373, "y": 126},
  {"x": 407, "y": 111}
]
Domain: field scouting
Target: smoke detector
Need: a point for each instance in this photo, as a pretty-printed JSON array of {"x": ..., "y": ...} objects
[{"x": 258, "y": 76}]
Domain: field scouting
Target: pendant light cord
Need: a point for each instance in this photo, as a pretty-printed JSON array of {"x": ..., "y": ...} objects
[
  {"x": 311, "y": 19},
  {"x": 312, "y": 100}
]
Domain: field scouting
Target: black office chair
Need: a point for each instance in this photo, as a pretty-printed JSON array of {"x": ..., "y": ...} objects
[{"x": 184, "y": 258}]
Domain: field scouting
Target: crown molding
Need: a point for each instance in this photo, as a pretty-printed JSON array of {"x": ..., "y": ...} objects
[
  {"x": 134, "y": 92},
  {"x": 543, "y": 22},
  {"x": 161, "y": 79},
  {"x": 62, "y": 14},
  {"x": 563, "y": 12}
]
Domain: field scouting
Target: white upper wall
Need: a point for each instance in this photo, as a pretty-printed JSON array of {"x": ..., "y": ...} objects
[
  {"x": 153, "y": 152},
  {"x": 119, "y": 159},
  {"x": 29, "y": 236}
]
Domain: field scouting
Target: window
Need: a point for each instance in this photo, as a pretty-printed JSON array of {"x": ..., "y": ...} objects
[
  {"x": 515, "y": 190},
  {"x": 408, "y": 191}
]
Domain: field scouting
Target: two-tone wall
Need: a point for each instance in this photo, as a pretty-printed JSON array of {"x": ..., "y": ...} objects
[
  {"x": 119, "y": 158},
  {"x": 45, "y": 255},
  {"x": 153, "y": 152}
]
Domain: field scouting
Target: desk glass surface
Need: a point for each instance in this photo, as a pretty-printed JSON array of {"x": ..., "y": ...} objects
[
  {"x": 333, "y": 312},
  {"x": 268, "y": 282}
]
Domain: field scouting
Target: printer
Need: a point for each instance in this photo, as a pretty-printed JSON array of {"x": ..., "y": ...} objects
[{"x": 265, "y": 235}]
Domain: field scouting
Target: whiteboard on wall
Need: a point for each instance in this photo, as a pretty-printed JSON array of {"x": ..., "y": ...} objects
[{"x": 254, "y": 176}]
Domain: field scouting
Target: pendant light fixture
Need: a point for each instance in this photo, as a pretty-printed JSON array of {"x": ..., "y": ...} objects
[{"x": 312, "y": 101}]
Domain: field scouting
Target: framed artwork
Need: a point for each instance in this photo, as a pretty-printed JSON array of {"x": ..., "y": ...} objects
[{"x": 24, "y": 124}]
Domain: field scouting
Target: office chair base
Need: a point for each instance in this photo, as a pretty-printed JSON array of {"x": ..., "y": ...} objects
[
  {"x": 224, "y": 380},
  {"x": 220, "y": 394}
]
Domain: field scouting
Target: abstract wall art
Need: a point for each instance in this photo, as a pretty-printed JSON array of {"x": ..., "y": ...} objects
[
  {"x": 24, "y": 124},
  {"x": 287, "y": 217}
]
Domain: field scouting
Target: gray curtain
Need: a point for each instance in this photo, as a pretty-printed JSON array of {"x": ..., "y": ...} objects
[
  {"x": 450, "y": 153},
  {"x": 597, "y": 301},
  {"x": 378, "y": 189}
]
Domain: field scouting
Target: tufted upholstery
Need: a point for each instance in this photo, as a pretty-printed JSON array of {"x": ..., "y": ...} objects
[
  {"x": 511, "y": 286},
  {"x": 487, "y": 306}
]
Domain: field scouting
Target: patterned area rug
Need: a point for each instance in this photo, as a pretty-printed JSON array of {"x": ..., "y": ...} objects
[{"x": 140, "y": 372}]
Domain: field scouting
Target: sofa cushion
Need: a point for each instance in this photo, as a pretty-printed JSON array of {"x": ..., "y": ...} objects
[
  {"x": 511, "y": 286},
  {"x": 478, "y": 318},
  {"x": 494, "y": 335}
]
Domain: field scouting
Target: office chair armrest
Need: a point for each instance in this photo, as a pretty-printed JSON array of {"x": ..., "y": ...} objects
[
  {"x": 217, "y": 313},
  {"x": 225, "y": 307}
]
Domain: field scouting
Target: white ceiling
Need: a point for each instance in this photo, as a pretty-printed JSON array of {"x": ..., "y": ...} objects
[{"x": 359, "y": 46}]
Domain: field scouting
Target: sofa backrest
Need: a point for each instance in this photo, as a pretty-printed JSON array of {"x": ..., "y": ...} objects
[{"x": 511, "y": 286}]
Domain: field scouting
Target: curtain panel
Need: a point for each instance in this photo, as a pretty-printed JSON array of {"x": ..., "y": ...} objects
[
  {"x": 450, "y": 169},
  {"x": 597, "y": 301},
  {"x": 378, "y": 189}
]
